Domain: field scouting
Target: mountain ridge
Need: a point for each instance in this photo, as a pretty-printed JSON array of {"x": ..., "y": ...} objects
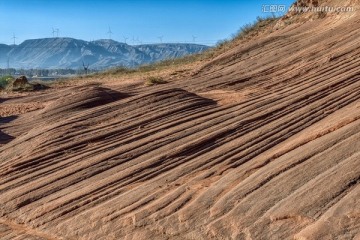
[{"x": 51, "y": 53}]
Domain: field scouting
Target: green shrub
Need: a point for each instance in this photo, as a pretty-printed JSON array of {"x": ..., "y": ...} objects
[{"x": 5, "y": 80}]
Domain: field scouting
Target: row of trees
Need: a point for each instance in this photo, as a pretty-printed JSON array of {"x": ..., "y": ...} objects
[{"x": 44, "y": 72}]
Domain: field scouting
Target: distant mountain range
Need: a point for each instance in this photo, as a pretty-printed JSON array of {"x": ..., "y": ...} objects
[{"x": 53, "y": 53}]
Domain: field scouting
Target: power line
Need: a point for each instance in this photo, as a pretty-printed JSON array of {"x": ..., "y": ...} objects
[{"x": 136, "y": 40}]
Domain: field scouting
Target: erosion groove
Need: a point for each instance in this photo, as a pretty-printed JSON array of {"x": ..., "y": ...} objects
[{"x": 279, "y": 159}]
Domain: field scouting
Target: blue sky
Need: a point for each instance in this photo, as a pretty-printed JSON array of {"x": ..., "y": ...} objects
[{"x": 139, "y": 20}]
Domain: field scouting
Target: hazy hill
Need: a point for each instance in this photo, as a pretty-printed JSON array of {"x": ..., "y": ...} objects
[{"x": 70, "y": 53}]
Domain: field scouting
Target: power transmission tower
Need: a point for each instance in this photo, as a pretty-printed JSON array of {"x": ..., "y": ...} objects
[
  {"x": 109, "y": 32},
  {"x": 86, "y": 68},
  {"x": 161, "y": 38},
  {"x": 125, "y": 39},
  {"x": 194, "y": 38},
  {"x": 14, "y": 38},
  {"x": 53, "y": 32},
  {"x": 8, "y": 66}
]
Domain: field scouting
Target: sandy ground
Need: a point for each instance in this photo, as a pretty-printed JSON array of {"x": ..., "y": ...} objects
[{"x": 262, "y": 143}]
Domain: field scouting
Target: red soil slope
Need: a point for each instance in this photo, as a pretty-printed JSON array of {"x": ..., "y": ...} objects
[{"x": 262, "y": 143}]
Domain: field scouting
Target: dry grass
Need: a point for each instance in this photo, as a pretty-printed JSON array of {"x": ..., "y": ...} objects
[
  {"x": 248, "y": 30},
  {"x": 171, "y": 69},
  {"x": 154, "y": 81}
]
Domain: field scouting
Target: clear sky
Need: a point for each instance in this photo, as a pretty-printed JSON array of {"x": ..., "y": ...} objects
[{"x": 140, "y": 20}]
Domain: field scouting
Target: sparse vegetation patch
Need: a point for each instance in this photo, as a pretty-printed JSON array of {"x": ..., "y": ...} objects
[
  {"x": 5, "y": 80},
  {"x": 154, "y": 81}
]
